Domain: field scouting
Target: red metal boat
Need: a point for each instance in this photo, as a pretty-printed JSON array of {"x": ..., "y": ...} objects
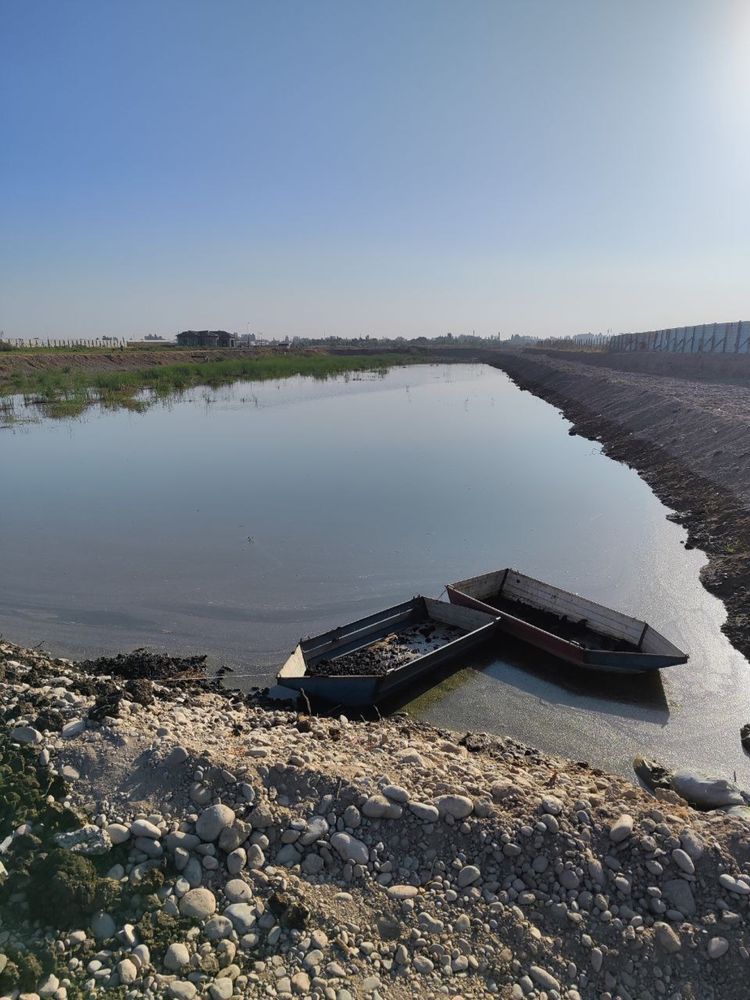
[{"x": 565, "y": 625}]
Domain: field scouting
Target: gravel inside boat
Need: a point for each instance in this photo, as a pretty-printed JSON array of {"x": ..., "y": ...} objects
[{"x": 394, "y": 650}]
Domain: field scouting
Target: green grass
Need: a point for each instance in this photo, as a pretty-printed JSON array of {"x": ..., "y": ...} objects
[{"x": 68, "y": 392}]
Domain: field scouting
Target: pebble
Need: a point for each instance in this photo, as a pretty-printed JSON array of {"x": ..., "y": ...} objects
[
  {"x": 212, "y": 821},
  {"x": 717, "y": 947},
  {"x": 238, "y": 891},
  {"x": 683, "y": 860},
  {"x": 379, "y": 807},
  {"x": 73, "y": 729},
  {"x": 543, "y": 978},
  {"x": 236, "y": 861},
  {"x": 552, "y": 805},
  {"x": 301, "y": 983},
  {"x": 217, "y": 928},
  {"x": 176, "y": 956},
  {"x": 48, "y": 986},
  {"x": 316, "y": 829},
  {"x": 424, "y": 811},
  {"x": 692, "y": 844},
  {"x": 352, "y": 817},
  {"x": 732, "y": 884},
  {"x": 457, "y": 806},
  {"x": 103, "y": 926},
  {"x": 182, "y": 989},
  {"x": 26, "y": 734},
  {"x": 143, "y": 828},
  {"x": 667, "y": 938},
  {"x": 402, "y": 891},
  {"x": 422, "y": 964},
  {"x": 350, "y": 849},
  {"x": 516, "y": 875},
  {"x": 679, "y": 893},
  {"x": 621, "y": 829},
  {"x": 468, "y": 875},
  {"x": 141, "y": 955},
  {"x": 396, "y": 792},
  {"x": 221, "y": 989},
  {"x": 177, "y": 755},
  {"x": 199, "y": 904},
  {"x": 118, "y": 832},
  {"x": 242, "y": 916},
  {"x": 568, "y": 879}
]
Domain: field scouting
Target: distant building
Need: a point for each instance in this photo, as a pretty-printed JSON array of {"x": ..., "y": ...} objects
[{"x": 206, "y": 338}]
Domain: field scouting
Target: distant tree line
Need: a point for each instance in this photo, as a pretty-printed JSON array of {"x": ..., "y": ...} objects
[{"x": 461, "y": 339}]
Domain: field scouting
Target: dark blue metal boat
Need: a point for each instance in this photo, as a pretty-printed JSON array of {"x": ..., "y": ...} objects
[{"x": 392, "y": 648}]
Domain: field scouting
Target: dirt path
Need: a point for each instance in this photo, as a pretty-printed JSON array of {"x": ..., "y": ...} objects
[{"x": 689, "y": 439}]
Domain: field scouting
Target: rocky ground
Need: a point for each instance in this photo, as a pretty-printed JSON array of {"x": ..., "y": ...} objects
[
  {"x": 688, "y": 438},
  {"x": 169, "y": 839}
]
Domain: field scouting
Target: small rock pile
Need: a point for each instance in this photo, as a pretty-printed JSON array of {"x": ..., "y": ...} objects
[{"x": 223, "y": 850}]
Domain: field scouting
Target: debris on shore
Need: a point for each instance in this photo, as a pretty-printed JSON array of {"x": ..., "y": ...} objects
[
  {"x": 197, "y": 844},
  {"x": 144, "y": 663}
]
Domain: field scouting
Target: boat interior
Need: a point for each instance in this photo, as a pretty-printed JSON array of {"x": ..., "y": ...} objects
[
  {"x": 422, "y": 623},
  {"x": 574, "y": 630},
  {"x": 574, "y": 618}
]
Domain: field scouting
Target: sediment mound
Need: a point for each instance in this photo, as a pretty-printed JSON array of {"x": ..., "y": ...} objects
[
  {"x": 196, "y": 844},
  {"x": 144, "y": 663}
]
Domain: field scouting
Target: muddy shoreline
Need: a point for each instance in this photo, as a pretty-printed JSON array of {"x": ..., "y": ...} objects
[{"x": 689, "y": 442}]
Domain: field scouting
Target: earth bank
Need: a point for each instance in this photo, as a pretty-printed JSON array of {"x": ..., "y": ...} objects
[{"x": 689, "y": 439}]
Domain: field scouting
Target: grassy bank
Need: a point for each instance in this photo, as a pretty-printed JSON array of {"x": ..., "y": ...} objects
[{"x": 68, "y": 391}]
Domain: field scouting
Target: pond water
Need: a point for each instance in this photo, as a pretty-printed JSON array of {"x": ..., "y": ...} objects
[{"x": 234, "y": 521}]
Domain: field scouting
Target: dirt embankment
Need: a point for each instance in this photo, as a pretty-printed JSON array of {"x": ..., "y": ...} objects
[
  {"x": 173, "y": 842},
  {"x": 689, "y": 439},
  {"x": 730, "y": 368}
]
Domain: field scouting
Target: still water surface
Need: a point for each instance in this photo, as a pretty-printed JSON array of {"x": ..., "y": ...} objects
[{"x": 232, "y": 522}]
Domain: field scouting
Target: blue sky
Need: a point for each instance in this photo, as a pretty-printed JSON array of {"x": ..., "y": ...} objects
[{"x": 351, "y": 167}]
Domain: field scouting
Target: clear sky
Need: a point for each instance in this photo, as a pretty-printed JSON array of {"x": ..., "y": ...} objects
[{"x": 373, "y": 166}]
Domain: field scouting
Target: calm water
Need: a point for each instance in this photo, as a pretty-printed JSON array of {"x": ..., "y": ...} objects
[{"x": 233, "y": 522}]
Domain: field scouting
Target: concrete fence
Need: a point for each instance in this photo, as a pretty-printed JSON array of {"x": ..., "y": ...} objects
[
  {"x": 708, "y": 338},
  {"x": 32, "y": 343}
]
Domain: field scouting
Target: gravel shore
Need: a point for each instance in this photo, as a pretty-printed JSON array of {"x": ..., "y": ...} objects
[{"x": 169, "y": 839}]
